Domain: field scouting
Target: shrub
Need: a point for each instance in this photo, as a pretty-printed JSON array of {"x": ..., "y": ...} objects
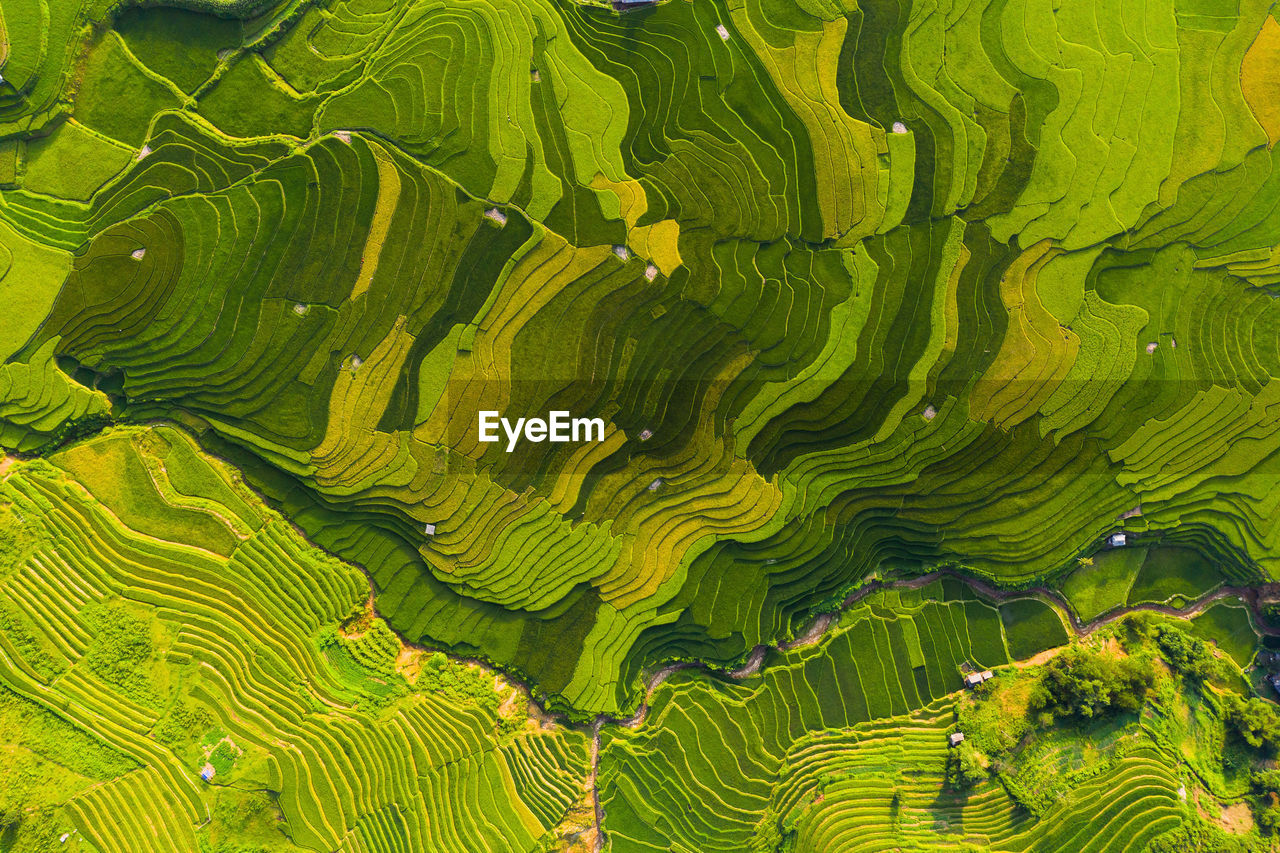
[
  {"x": 121, "y": 651},
  {"x": 223, "y": 757},
  {"x": 994, "y": 727},
  {"x": 967, "y": 766},
  {"x": 376, "y": 649},
  {"x": 182, "y": 725},
  {"x": 458, "y": 682},
  {"x": 13, "y": 626}
]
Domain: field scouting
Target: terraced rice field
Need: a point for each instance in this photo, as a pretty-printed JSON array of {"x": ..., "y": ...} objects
[
  {"x": 156, "y": 611},
  {"x": 844, "y": 747},
  {"x": 177, "y": 622},
  {"x": 859, "y": 292}
]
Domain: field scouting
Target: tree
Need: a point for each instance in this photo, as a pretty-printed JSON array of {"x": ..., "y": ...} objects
[
  {"x": 1187, "y": 654},
  {"x": 1254, "y": 720},
  {"x": 1267, "y": 814},
  {"x": 967, "y": 765},
  {"x": 1266, "y": 802},
  {"x": 1085, "y": 683},
  {"x": 1266, "y": 780}
]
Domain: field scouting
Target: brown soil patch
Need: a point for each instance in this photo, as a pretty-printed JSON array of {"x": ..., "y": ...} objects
[
  {"x": 1015, "y": 698},
  {"x": 1042, "y": 658},
  {"x": 409, "y": 663},
  {"x": 1112, "y": 647},
  {"x": 1237, "y": 818},
  {"x": 1198, "y": 799},
  {"x": 543, "y": 719},
  {"x": 580, "y": 841},
  {"x": 6, "y": 462},
  {"x": 359, "y": 624},
  {"x": 509, "y": 704}
]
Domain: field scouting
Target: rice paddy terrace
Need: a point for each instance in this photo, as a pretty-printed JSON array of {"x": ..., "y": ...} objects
[{"x": 927, "y": 338}]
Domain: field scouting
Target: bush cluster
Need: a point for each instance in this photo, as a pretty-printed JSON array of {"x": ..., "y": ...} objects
[
  {"x": 1266, "y": 799},
  {"x": 1254, "y": 720},
  {"x": 121, "y": 651},
  {"x": 1085, "y": 683},
  {"x": 967, "y": 766},
  {"x": 1187, "y": 654},
  {"x": 457, "y": 681}
]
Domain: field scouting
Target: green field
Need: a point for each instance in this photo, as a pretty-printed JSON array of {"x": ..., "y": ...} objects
[
  {"x": 1228, "y": 626},
  {"x": 1170, "y": 572},
  {"x": 868, "y": 313},
  {"x": 138, "y": 658},
  {"x": 1103, "y": 585},
  {"x": 949, "y": 326},
  {"x": 1031, "y": 627}
]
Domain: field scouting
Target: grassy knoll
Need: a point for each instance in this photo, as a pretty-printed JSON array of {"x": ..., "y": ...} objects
[
  {"x": 1031, "y": 627},
  {"x": 118, "y": 98},
  {"x": 181, "y": 45},
  {"x": 32, "y": 274},
  {"x": 1230, "y": 627},
  {"x": 72, "y": 162}
]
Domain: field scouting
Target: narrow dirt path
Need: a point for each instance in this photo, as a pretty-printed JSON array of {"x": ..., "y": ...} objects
[{"x": 594, "y": 782}]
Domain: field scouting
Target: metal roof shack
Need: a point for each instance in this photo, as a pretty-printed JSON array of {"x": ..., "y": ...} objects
[{"x": 956, "y": 738}]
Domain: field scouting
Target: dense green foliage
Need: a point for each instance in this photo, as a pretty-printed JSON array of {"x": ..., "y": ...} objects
[
  {"x": 966, "y": 766},
  {"x": 1087, "y": 683},
  {"x": 121, "y": 650},
  {"x": 1255, "y": 721},
  {"x": 1186, "y": 653}
]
